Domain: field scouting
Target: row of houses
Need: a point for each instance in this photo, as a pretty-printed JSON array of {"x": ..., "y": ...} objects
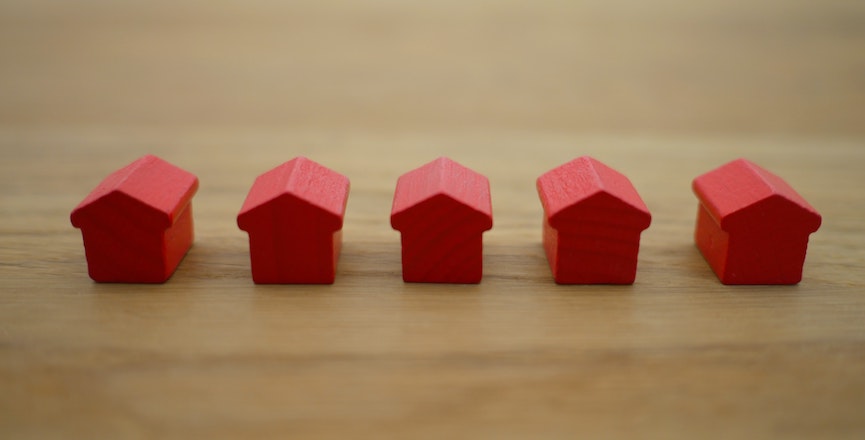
[{"x": 752, "y": 227}]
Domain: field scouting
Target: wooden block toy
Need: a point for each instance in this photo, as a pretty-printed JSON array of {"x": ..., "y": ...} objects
[
  {"x": 752, "y": 227},
  {"x": 441, "y": 210},
  {"x": 294, "y": 215},
  {"x": 137, "y": 223},
  {"x": 593, "y": 218}
]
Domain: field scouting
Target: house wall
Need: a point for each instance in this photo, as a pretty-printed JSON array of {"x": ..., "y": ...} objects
[
  {"x": 451, "y": 258},
  {"x": 768, "y": 256},
  {"x": 177, "y": 240},
  {"x": 290, "y": 254},
  {"x": 118, "y": 251},
  {"x": 593, "y": 253},
  {"x": 712, "y": 241}
]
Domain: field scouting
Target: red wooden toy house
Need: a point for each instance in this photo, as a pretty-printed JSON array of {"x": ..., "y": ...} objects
[
  {"x": 752, "y": 227},
  {"x": 137, "y": 223},
  {"x": 593, "y": 218},
  {"x": 294, "y": 215},
  {"x": 442, "y": 210}
]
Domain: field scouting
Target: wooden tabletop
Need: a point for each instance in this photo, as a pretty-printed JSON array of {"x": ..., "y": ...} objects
[{"x": 662, "y": 91}]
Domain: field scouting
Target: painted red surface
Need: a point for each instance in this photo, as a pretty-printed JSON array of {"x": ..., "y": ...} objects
[
  {"x": 593, "y": 217},
  {"x": 442, "y": 210},
  {"x": 752, "y": 227},
  {"x": 137, "y": 223},
  {"x": 294, "y": 215}
]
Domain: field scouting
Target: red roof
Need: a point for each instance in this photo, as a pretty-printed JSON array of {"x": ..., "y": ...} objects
[
  {"x": 304, "y": 180},
  {"x": 576, "y": 190},
  {"x": 441, "y": 177},
  {"x": 733, "y": 192},
  {"x": 160, "y": 188}
]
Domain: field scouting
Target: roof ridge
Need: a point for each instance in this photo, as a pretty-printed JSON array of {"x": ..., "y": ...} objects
[
  {"x": 601, "y": 186},
  {"x": 292, "y": 168},
  {"x": 128, "y": 171},
  {"x": 765, "y": 176}
]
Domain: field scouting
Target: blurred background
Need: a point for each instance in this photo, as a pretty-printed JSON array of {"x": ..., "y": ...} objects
[
  {"x": 661, "y": 90},
  {"x": 662, "y": 66}
]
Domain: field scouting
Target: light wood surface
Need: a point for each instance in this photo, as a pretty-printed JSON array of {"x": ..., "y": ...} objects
[{"x": 661, "y": 90}]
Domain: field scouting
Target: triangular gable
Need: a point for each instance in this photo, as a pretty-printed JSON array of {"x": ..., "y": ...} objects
[
  {"x": 445, "y": 177},
  {"x": 733, "y": 192},
  {"x": 304, "y": 180},
  {"x": 426, "y": 215},
  {"x": 157, "y": 188},
  {"x": 585, "y": 183}
]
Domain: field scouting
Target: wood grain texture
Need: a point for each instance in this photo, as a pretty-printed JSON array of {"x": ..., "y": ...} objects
[{"x": 665, "y": 90}]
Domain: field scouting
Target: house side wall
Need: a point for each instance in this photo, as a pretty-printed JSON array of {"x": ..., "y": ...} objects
[
  {"x": 551, "y": 245},
  {"x": 177, "y": 240},
  {"x": 262, "y": 256},
  {"x": 337, "y": 249},
  {"x": 712, "y": 242}
]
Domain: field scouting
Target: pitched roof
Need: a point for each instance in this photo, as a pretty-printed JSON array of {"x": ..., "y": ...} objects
[
  {"x": 584, "y": 183},
  {"x": 733, "y": 190},
  {"x": 304, "y": 180},
  {"x": 441, "y": 177},
  {"x": 161, "y": 187}
]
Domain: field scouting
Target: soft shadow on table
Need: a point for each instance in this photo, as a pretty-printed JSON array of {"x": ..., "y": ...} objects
[
  {"x": 450, "y": 290},
  {"x": 523, "y": 268},
  {"x": 681, "y": 269},
  {"x": 215, "y": 260},
  {"x": 517, "y": 263},
  {"x": 106, "y": 289}
]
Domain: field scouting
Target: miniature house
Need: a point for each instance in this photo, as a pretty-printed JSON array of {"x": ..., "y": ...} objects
[
  {"x": 593, "y": 218},
  {"x": 441, "y": 210},
  {"x": 137, "y": 224},
  {"x": 294, "y": 215},
  {"x": 752, "y": 227}
]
